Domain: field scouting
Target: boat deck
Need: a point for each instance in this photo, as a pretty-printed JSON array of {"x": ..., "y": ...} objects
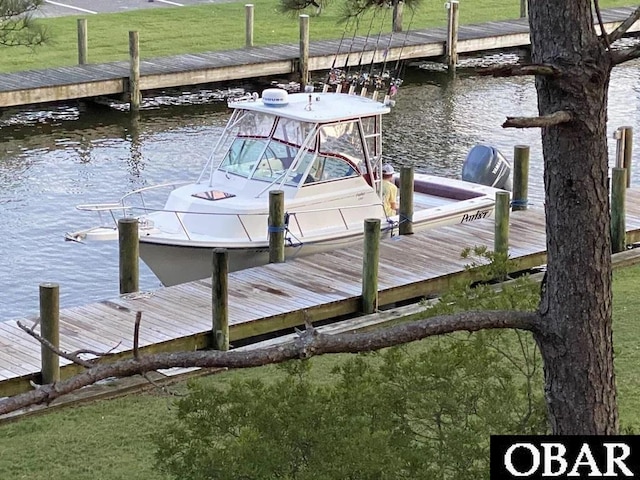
[{"x": 424, "y": 200}]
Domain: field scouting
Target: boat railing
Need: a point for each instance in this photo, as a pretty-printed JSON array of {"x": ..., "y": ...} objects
[
  {"x": 120, "y": 210},
  {"x": 140, "y": 192}
]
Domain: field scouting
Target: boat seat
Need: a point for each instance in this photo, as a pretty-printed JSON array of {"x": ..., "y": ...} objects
[{"x": 270, "y": 165}]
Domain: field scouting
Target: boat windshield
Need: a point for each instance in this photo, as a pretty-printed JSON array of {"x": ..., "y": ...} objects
[{"x": 264, "y": 146}]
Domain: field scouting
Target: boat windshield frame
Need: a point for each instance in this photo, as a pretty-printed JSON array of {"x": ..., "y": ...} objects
[{"x": 281, "y": 151}]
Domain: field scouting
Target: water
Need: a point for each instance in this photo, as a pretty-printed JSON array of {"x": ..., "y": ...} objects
[{"x": 53, "y": 160}]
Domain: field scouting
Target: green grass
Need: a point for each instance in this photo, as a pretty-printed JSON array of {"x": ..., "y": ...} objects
[
  {"x": 109, "y": 440},
  {"x": 170, "y": 31}
]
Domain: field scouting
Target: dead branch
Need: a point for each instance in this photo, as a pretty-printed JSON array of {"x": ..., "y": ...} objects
[
  {"x": 519, "y": 70},
  {"x": 550, "y": 120},
  {"x": 136, "y": 334},
  {"x": 603, "y": 32},
  {"x": 71, "y": 356},
  {"x": 309, "y": 343},
  {"x": 619, "y": 32},
  {"x": 621, "y": 56}
]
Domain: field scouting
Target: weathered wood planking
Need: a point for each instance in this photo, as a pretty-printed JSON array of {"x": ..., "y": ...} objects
[{"x": 82, "y": 81}]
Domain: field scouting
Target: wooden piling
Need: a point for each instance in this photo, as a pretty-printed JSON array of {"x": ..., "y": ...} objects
[
  {"x": 501, "y": 237},
  {"x": 524, "y": 9},
  {"x": 276, "y": 226},
  {"x": 134, "y": 71},
  {"x": 618, "y": 195},
  {"x": 248, "y": 25},
  {"x": 370, "y": 265},
  {"x": 220, "y": 299},
  {"x": 627, "y": 152},
  {"x": 304, "y": 51},
  {"x": 396, "y": 23},
  {"x": 129, "y": 251},
  {"x": 452, "y": 35},
  {"x": 520, "y": 177},
  {"x": 82, "y": 41},
  {"x": 50, "y": 331},
  {"x": 406, "y": 201}
]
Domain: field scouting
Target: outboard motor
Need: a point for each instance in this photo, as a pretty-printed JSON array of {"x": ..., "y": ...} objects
[{"x": 487, "y": 166}]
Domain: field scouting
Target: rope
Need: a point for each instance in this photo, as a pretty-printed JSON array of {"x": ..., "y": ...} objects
[{"x": 520, "y": 202}]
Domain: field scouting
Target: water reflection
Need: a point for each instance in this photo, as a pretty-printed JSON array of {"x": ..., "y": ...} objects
[{"x": 52, "y": 161}]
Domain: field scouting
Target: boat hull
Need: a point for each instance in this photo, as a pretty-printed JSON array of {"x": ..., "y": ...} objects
[{"x": 174, "y": 264}]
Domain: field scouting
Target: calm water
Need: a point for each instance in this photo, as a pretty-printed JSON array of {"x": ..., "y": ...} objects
[{"x": 51, "y": 161}]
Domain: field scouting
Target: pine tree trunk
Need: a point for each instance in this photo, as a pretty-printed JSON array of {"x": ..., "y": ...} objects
[{"x": 576, "y": 343}]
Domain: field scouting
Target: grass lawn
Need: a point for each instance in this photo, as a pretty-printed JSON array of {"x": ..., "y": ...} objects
[
  {"x": 109, "y": 440},
  {"x": 169, "y": 31}
]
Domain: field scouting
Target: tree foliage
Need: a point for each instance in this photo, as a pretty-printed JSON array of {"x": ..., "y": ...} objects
[
  {"x": 393, "y": 415},
  {"x": 410, "y": 412},
  {"x": 17, "y": 25}
]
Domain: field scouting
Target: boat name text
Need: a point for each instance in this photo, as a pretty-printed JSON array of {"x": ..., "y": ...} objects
[{"x": 480, "y": 214}]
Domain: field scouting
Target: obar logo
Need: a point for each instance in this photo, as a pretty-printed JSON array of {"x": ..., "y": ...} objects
[{"x": 538, "y": 457}]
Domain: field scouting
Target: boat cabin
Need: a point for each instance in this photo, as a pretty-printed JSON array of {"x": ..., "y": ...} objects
[{"x": 290, "y": 141}]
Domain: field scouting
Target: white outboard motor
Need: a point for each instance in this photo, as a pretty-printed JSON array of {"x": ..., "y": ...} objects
[{"x": 487, "y": 166}]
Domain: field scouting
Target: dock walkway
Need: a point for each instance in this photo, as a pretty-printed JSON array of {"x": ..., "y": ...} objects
[
  {"x": 277, "y": 296},
  {"x": 94, "y": 80}
]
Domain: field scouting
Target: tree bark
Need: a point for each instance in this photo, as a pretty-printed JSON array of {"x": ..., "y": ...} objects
[{"x": 576, "y": 340}]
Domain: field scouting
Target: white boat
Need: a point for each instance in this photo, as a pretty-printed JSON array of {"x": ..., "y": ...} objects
[{"x": 323, "y": 150}]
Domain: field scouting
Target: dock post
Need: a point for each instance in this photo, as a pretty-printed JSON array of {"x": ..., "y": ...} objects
[
  {"x": 82, "y": 41},
  {"x": 248, "y": 25},
  {"x": 276, "y": 226},
  {"x": 452, "y": 35},
  {"x": 406, "y": 201},
  {"x": 501, "y": 230},
  {"x": 618, "y": 194},
  {"x": 128, "y": 249},
  {"x": 624, "y": 149},
  {"x": 50, "y": 331},
  {"x": 134, "y": 71},
  {"x": 396, "y": 24},
  {"x": 520, "y": 177},
  {"x": 304, "y": 51},
  {"x": 524, "y": 9},
  {"x": 370, "y": 265},
  {"x": 220, "y": 299}
]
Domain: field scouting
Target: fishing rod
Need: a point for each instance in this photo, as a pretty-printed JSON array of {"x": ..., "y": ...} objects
[
  {"x": 396, "y": 80},
  {"x": 335, "y": 59},
  {"x": 368, "y": 78},
  {"x": 346, "y": 61},
  {"x": 371, "y": 76},
  {"x": 366, "y": 42}
]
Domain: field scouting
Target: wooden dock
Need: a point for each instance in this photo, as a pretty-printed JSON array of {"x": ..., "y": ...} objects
[
  {"x": 94, "y": 80},
  {"x": 277, "y": 296}
]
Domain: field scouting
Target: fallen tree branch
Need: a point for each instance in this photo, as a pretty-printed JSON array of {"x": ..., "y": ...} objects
[
  {"x": 71, "y": 356},
  {"x": 624, "y": 55},
  {"x": 308, "y": 344},
  {"x": 550, "y": 120},
  {"x": 519, "y": 70},
  {"x": 136, "y": 334},
  {"x": 619, "y": 32}
]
